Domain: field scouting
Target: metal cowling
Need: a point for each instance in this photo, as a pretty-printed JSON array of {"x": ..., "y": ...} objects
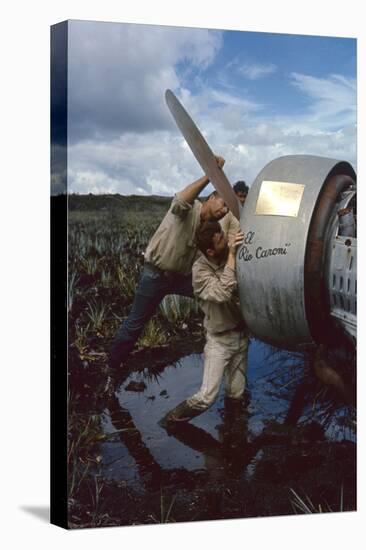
[{"x": 280, "y": 265}]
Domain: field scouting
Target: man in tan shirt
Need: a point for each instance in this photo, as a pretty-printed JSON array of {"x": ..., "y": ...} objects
[
  {"x": 225, "y": 353},
  {"x": 168, "y": 261}
]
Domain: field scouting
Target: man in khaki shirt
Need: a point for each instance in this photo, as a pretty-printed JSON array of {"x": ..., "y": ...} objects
[
  {"x": 168, "y": 261},
  {"x": 214, "y": 283}
]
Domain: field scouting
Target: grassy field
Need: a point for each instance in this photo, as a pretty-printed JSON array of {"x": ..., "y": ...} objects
[{"x": 107, "y": 239}]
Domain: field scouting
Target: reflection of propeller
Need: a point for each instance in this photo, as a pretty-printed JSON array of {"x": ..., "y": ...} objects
[
  {"x": 202, "y": 152},
  {"x": 130, "y": 436}
]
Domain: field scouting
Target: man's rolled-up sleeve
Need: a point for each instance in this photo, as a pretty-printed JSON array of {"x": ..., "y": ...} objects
[
  {"x": 180, "y": 207},
  {"x": 230, "y": 225}
]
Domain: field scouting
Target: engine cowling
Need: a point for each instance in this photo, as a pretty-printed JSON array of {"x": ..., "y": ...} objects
[{"x": 287, "y": 266}]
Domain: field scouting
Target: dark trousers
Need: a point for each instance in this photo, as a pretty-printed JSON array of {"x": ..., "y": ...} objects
[{"x": 153, "y": 286}]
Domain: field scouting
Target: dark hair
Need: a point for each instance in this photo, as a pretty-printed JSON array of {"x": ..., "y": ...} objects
[
  {"x": 204, "y": 235},
  {"x": 213, "y": 194},
  {"x": 240, "y": 187}
]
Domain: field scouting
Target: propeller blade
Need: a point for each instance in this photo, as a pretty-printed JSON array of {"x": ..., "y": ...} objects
[{"x": 202, "y": 152}]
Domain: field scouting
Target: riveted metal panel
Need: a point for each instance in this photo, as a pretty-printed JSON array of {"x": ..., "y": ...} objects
[{"x": 342, "y": 283}]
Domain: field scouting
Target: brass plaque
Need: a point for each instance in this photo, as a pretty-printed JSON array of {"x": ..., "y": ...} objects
[{"x": 279, "y": 198}]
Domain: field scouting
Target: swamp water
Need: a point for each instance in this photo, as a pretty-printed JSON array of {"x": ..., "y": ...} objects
[{"x": 288, "y": 450}]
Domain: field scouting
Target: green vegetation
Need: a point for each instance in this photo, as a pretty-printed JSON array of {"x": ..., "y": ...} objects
[
  {"x": 165, "y": 511},
  {"x": 152, "y": 335},
  {"x": 84, "y": 435},
  {"x": 107, "y": 237},
  {"x": 178, "y": 309},
  {"x": 306, "y": 506}
]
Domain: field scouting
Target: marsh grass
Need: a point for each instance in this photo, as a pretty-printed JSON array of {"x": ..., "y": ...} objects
[
  {"x": 178, "y": 309},
  {"x": 81, "y": 336},
  {"x": 306, "y": 506},
  {"x": 85, "y": 434},
  {"x": 71, "y": 290},
  {"x": 106, "y": 278},
  {"x": 127, "y": 280},
  {"x": 152, "y": 336},
  {"x": 106, "y": 255},
  {"x": 97, "y": 502},
  {"x": 165, "y": 510},
  {"x": 89, "y": 265},
  {"x": 96, "y": 312}
]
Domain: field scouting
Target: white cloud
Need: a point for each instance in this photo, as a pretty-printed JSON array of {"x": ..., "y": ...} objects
[
  {"x": 118, "y": 73},
  {"x": 249, "y": 139},
  {"x": 333, "y": 100},
  {"x": 92, "y": 181},
  {"x": 254, "y": 71},
  {"x": 152, "y": 163},
  {"x": 234, "y": 100},
  {"x": 123, "y": 138},
  {"x": 161, "y": 163}
]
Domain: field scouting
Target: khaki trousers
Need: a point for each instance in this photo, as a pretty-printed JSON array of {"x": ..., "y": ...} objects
[{"x": 224, "y": 354}]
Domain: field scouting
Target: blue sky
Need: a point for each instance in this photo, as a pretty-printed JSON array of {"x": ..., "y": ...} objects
[
  {"x": 255, "y": 97},
  {"x": 261, "y": 65}
]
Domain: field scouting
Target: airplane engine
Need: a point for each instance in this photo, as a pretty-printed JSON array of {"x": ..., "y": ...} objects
[{"x": 297, "y": 267}]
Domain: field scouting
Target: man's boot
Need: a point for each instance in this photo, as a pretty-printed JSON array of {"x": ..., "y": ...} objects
[{"x": 181, "y": 413}]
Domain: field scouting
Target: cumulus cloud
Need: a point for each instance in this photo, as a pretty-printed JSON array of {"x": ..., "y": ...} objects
[
  {"x": 151, "y": 163},
  {"x": 254, "y": 71},
  {"x": 160, "y": 162},
  {"x": 122, "y": 138},
  {"x": 326, "y": 126},
  {"x": 118, "y": 74}
]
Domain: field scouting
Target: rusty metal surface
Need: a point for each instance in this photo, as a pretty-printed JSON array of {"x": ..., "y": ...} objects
[{"x": 202, "y": 152}]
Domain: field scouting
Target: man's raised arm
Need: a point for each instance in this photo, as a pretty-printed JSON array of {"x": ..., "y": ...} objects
[{"x": 191, "y": 192}]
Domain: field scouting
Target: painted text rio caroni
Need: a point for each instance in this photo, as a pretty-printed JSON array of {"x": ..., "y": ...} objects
[{"x": 260, "y": 252}]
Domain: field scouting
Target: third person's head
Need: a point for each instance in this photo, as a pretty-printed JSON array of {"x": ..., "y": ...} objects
[{"x": 241, "y": 191}]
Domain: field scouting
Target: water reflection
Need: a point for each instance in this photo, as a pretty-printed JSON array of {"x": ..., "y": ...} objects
[
  {"x": 148, "y": 468},
  {"x": 277, "y": 432},
  {"x": 231, "y": 452}
]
